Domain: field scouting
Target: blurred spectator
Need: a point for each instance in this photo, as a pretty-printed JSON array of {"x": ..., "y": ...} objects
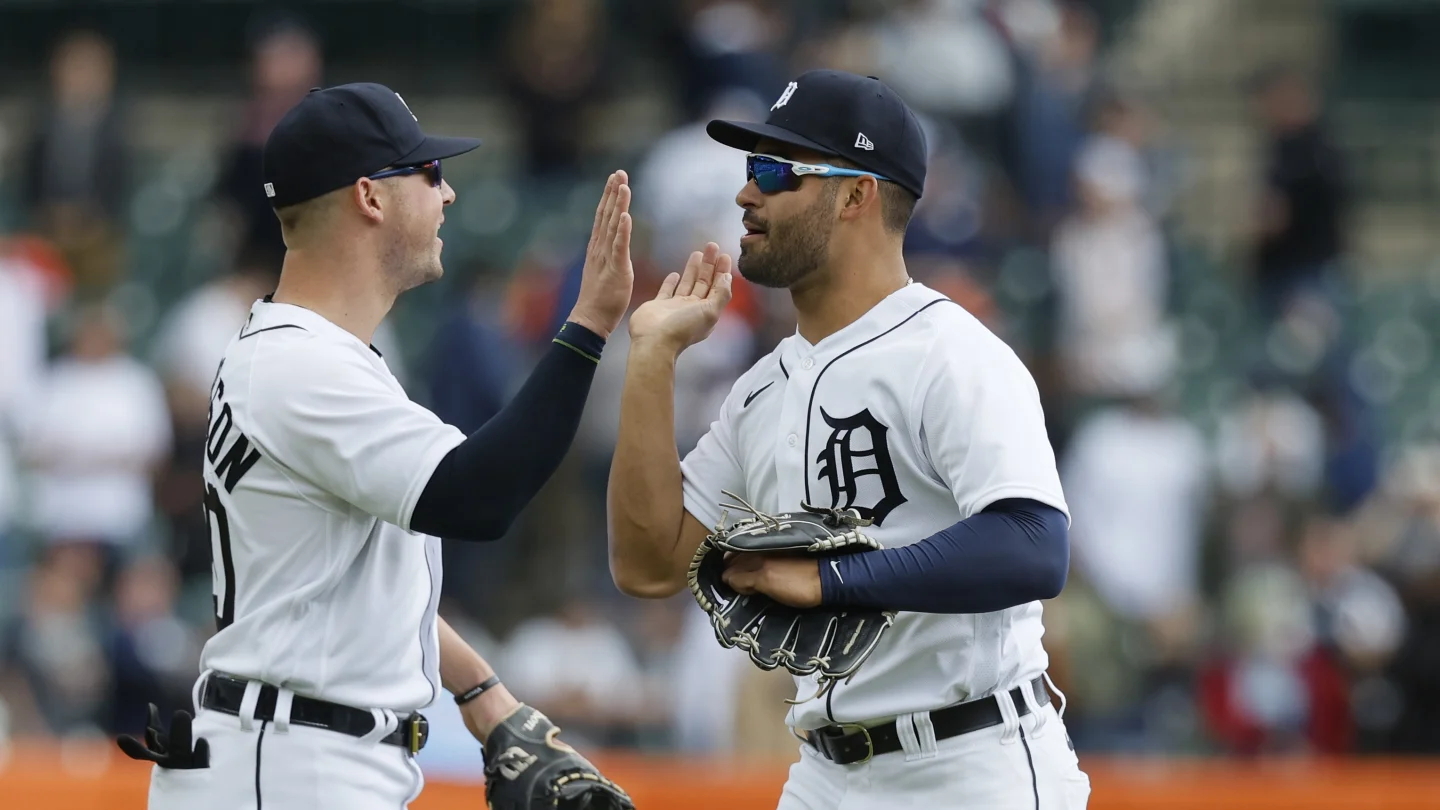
[
  {"x": 1050, "y": 115},
  {"x": 24, "y": 305},
  {"x": 474, "y": 366},
  {"x": 1126, "y": 118},
  {"x": 1300, "y": 224},
  {"x": 1399, "y": 529},
  {"x": 153, "y": 654},
  {"x": 949, "y": 219},
  {"x": 77, "y": 166},
  {"x": 1358, "y": 614},
  {"x": 555, "y": 71},
  {"x": 578, "y": 668},
  {"x": 733, "y": 45},
  {"x": 1111, "y": 277},
  {"x": 285, "y": 63},
  {"x": 472, "y": 357},
  {"x": 55, "y": 648},
  {"x": 1270, "y": 442},
  {"x": 94, "y": 434},
  {"x": 945, "y": 57},
  {"x": 1275, "y": 690},
  {"x": 685, "y": 187},
  {"x": 1135, "y": 477}
]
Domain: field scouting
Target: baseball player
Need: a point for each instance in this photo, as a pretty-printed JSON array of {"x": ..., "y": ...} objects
[
  {"x": 326, "y": 488},
  {"x": 891, "y": 400}
]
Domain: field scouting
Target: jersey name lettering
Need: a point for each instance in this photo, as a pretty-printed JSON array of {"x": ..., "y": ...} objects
[
  {"x": 240, "y": 457},
  {"x": 839, "y": 458}
]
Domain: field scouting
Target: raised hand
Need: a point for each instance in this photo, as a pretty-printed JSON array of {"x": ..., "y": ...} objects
[
  {"x": 688, "y": 305},
  {"x": 608, "y": 277}
]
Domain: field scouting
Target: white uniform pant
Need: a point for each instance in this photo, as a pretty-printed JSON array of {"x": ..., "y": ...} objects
[
  {"x": 1025, "y": 764},
  {"x": 256, "y": 765}
]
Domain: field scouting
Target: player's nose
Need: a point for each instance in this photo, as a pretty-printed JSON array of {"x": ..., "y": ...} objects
[
  {"x": 447, "y": 194},
  {"x": 749, "y": 196}
]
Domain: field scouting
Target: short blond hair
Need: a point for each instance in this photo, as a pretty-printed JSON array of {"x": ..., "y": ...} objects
[{"x": 301, "y": 219}]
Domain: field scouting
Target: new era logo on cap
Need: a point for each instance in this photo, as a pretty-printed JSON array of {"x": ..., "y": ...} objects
[
  {"x": 269, "y": 189},
  {"x": 862, "y": 142}
]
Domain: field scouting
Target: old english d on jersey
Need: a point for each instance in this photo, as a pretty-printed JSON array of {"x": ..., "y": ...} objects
[{"x": 919, "y": 417}]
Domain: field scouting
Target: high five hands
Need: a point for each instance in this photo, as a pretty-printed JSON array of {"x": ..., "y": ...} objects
[
  {"x": 684, "y": 311},
  {"x": 688, "y": 305}
]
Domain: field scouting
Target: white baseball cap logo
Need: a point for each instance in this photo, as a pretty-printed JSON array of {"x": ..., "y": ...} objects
[{"x": 785, "y": 96}]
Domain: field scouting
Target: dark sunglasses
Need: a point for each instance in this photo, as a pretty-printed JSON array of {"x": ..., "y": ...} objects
[
  {"x": 773, "y": 174},
  {"x": 432, "y": 168}
]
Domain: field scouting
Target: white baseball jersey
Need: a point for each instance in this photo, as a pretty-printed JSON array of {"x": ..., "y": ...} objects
[
  {"x": 315, "y": 460},
  {"x": 918, "y": 416}
]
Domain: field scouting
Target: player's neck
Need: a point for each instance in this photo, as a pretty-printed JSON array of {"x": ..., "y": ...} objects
[
  {"x": 354, "y": 301},
  {"x": 842, "y": 293}
]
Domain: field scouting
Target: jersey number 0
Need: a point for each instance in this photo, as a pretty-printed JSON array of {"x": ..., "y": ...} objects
[{"x": 224, "y": 561}]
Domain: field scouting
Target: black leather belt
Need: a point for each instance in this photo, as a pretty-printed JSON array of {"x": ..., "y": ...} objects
[
  {"x": 850, "y": 743},
  {"x": 224, "y": 693}
]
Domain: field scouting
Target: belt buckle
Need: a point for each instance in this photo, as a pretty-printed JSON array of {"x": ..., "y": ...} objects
[
  {"x": 869, "y": 741},
  {"x": 419, "y": 733}
]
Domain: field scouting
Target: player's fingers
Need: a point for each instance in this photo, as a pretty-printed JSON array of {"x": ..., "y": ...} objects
[
  {"x": 722, "y": 289},
  {"x": 706, "y": 275},
  {"x": 620, "y": 244},
  {"x": 607, "y": 221},
  {"x": 690, "y": 273},
  {"x": 597, "y": 229},
  {"x": 741, "y": 580},
  {"x": 622, "y": 207},
  {"x": 667, "y": 287}
]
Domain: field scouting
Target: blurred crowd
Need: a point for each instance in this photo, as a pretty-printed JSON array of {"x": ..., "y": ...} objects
[{"x": 1267, "y": 581}]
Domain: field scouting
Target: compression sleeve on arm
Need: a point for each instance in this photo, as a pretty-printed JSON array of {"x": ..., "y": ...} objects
[
  {"x": 480, "y": 487},
  {"x": 1015, "y": 551}
]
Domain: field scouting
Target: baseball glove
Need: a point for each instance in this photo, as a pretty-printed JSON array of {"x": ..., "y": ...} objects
[
  {"x": 830, "y": 643},
  {"x": 527, "y": 768}
]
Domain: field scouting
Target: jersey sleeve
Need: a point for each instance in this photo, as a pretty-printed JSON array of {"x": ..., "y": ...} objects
[
  {"x": 982, "y": 427},
  {"x": 338, "y": 422},
  {"x": 713, "y": 466}
]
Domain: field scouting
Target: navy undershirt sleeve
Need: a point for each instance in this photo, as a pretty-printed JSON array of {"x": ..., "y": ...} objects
[
  {"x": 1015, "y": 551},
  {"x": 481, "y": 486}
]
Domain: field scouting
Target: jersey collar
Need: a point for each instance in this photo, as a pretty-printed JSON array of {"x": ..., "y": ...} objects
[
  {"x": 891, "y": 310},
  {"x": 267, "y": 312}
]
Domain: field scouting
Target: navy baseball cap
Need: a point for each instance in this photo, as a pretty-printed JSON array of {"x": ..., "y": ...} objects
[
  {"x": 338, "y": 135},
  {"x": 858, "y": 118}
]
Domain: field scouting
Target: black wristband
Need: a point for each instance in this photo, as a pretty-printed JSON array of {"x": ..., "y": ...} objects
[
  {"x": 581, "y": 340},
  {"x": 476, "y": 691}
]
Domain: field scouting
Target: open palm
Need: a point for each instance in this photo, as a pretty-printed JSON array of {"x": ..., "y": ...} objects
[
  {"x": 608, "y": 276},
  {"x": 689, "y": 304}
]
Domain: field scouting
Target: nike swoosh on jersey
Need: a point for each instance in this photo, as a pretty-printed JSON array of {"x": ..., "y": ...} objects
[
  {"x": 756, "y": 393},
  {"x": 835, "y": 566}
]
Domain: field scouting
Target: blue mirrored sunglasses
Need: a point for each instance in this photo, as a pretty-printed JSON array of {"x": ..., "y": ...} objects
[
  {"x": 432, "y": 168},
  {"x": 774, "y": 174}
]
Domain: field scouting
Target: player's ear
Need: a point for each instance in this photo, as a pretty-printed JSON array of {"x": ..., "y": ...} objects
[
  {"x": 860, "y": 196},
  {"x": 368, "y": 197}
]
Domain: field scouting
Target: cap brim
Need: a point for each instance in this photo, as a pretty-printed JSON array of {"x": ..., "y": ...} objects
[
  {"x": 439, "y": 147},
  {"x": 745, "y": 135}
]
